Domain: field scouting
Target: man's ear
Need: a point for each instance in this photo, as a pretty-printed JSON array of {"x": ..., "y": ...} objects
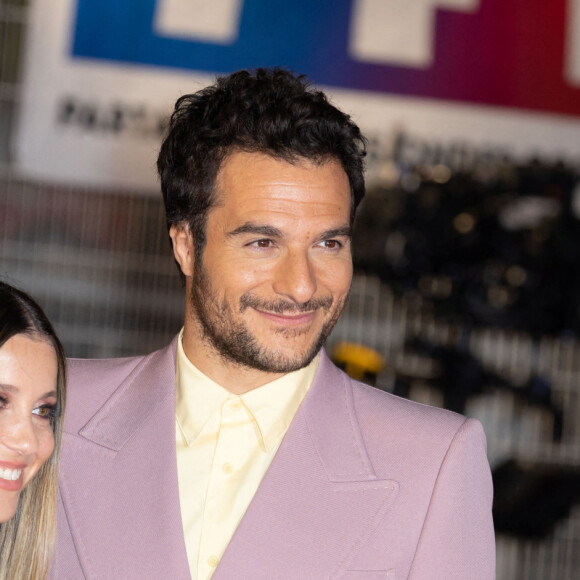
[{"x": 183, "y": 250}]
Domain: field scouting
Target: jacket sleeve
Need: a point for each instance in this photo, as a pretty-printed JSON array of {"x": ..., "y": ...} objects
[{"x": 457, "y": 540}]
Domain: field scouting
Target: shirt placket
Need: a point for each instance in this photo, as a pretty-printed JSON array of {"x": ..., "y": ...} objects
[{"x": 235, "y": 443}]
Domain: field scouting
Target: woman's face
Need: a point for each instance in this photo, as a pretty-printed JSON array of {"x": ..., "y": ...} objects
[{"x": 28, "y": 378}]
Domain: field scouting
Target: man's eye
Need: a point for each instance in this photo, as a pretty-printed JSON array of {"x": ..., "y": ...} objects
[
  {"x": 332, "y": 244},
  {"x": 262, "y": 243}
]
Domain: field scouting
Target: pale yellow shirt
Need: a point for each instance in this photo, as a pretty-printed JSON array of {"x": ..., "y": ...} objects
[{"x": 225, "y": 444}]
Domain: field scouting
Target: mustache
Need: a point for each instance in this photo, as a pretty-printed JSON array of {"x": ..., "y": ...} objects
[{"x": 284, "y": 306}]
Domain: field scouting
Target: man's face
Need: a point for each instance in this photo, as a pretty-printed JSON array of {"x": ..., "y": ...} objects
[{"x": 276, "y": 268}]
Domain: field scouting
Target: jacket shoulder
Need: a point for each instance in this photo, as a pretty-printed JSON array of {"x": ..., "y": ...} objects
[
  {"x": 403, "y": 414},
  {"x": 95, "y": 378},
  {"x": 93, "y": 382},
  {"x": 410, "y": 437}
]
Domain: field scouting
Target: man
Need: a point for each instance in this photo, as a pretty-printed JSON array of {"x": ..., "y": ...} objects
[{"x": 240, "y": 451}]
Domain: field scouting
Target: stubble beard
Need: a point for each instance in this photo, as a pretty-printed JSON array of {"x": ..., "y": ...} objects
[{"x": 233, "y": 341}]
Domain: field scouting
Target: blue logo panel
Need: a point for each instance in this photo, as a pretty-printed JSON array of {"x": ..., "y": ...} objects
[
  {"x": 480, "y": 56},
  {"x": 299, "y": 34}
]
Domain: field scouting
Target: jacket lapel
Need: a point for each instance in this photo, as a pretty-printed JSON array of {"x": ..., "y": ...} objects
[
  {"x": 319, "y": 501},
  {"x": 124, "y": 462}
]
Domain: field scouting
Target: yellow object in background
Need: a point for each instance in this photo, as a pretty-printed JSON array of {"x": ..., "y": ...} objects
[{"x": 358, "y": 361}]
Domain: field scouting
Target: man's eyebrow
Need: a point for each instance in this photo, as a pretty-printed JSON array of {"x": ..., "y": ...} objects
[
  {"x": 251, "y": 228},
  {"x": 342, "y": 232},
  {"x": 272, "y": 232}
]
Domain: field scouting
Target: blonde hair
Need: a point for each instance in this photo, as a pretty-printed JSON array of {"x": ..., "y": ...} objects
[{"x": 27, "y": 540}]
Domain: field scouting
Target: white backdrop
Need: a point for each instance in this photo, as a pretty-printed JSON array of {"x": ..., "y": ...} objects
[{"x": 97, "y": 122}]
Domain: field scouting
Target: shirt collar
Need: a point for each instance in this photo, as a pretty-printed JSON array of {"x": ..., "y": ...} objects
[{"x": 270, "y": 407}]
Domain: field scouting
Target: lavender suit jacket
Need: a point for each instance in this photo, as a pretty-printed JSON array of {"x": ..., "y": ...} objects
[{"x": 364, "y": 486}]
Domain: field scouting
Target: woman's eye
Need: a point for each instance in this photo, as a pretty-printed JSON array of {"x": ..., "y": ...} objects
[{"x": 45, "y": 411}]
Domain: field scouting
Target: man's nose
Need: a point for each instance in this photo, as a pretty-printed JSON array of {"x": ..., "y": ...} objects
[
  {"x": 295, "y": 278},
  {"x": 19, "y": 435}
]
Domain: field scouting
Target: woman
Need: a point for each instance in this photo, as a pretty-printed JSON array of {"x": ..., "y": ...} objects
[{"x": 32, "y": 395}]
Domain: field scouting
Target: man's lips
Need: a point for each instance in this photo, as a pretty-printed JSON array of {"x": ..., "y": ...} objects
[{"x": 288, "y": 318}]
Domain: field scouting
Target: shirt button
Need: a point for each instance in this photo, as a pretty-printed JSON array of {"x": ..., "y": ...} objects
[
  {"x": 235, "y": 405},
  {"x": 227, "y": 467},
  {"x": 213, "y": 561}
]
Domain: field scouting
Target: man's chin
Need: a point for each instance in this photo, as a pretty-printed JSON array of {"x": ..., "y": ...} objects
[{"x": 284, "y": 360}]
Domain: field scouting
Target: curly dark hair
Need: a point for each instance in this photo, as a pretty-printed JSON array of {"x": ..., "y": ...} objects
[{"x": 269, "y": 111}]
